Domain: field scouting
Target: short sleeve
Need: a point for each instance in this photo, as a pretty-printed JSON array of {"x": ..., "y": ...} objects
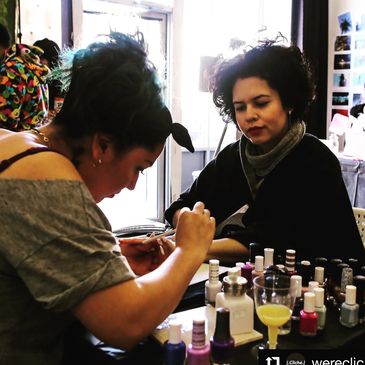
[
  {"x": 61, "y": 245},
  {"x": 62, "y": 272}
]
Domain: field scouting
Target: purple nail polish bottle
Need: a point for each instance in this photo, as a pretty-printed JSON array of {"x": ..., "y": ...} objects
[
  {"x": 222, "y": 343},
  {"x": 198, "y": 351},
  {"x": 174, "y": 347}
]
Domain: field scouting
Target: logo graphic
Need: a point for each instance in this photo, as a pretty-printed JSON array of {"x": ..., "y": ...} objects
[
  {"x": 273, "y": 360},
  {"x": 295, "y": 359}
]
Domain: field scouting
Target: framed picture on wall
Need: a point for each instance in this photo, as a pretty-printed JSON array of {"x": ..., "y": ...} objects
[
  {"x": 343, "y": 43},
  {"x": 340, "y": 98},
  {"x": 342, "y": 61},
  {"x": 345, "y": 22},
  {"x": 340, "y": 79}
]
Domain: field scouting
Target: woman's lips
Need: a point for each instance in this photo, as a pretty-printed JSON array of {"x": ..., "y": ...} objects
[{"x": 254, "y": 131}]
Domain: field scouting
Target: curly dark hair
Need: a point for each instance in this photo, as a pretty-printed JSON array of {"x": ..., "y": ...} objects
[
  {"x": 111, "y": 87},
  {"x": 284, "y": 69}
]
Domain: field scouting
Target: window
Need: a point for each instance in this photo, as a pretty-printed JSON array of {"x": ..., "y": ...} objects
[
  {"x": 212, "y": 28},
  {"x": 98, "y": 18}
]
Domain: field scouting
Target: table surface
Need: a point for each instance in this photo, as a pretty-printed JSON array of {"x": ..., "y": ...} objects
[{"x": 334, "y": 336}]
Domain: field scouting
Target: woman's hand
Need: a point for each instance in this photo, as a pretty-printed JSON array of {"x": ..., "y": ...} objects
[{"x": 144, "y": 258}]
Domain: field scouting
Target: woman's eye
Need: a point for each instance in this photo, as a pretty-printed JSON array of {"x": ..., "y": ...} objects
[
  {"x": 262, "y": 104},
  {"x": 239, "y": 108}
]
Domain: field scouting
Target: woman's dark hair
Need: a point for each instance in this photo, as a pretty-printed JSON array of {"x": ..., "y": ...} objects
[
  {"x": 5, "y": 37},
  {"x": 50, "y": 50},
  {"x": 112, "y": 88},
  {"x": 283, "y": 68}
]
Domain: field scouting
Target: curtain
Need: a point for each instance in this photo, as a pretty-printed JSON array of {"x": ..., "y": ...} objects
[{"x": 310, "y": 33}]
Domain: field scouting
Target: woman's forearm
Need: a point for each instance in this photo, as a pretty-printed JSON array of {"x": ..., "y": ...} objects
[{"x": 228, "y": 251}]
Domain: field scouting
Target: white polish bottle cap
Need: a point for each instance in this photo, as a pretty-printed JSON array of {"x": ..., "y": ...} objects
[
  {"x": 309, "y": 299},
  {"x": 350, "y": 294}
]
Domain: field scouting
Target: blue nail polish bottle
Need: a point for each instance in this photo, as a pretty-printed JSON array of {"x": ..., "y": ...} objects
[{"x": 174, "y": 347}]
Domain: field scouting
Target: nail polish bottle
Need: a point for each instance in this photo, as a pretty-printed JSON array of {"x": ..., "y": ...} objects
[
  {"x": 349, "y": 316},
  {"x": 259, "y": 267},
  {"x": 308, "y": 316},
  {"x": 213, "y": 285},
  {"x": 255, "y": 249},
  {"x": 174, "y": 347},
  {"x": 312, "y": 284},
  {"x": 290, "y": 261},
  {"x": 268, "y": 257},
  {"x": 331, "y": 281},
  {"x": 198, "y": 352},
  {"x": 305, "y": 271},
  {"x": 296, "y": 282},
  {"x": 246, "y": 272},
  {"x": 359, "y": 282},
  {"x": 222, "y": 343},
  {"x": 240, "y": 305},
  {"x": 320, "y": 308},
  {"x": 339, "y": 294}
]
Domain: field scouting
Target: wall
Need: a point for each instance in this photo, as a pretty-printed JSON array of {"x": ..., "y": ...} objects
[{"x": 346, "y": 56}]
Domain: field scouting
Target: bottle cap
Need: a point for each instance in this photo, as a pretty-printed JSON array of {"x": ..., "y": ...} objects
[
  {"x": 234, "y": 271},
  {"x": 309, "y": 299},
  {"x": 321, "y": 261},
  {"x": 259, "y": 263},
  {"x": 305, "y": 270},
  {"x": 338, "y": 272},
  {"x": 319, "y": 274},
  {"x": 255, "y": 250},
  {"x": 350, "y": 294},
  {"x": 312, "y": 285},
  {"x": 346, "y": 278},
  {"x": 213, "y": 270},
  {"x": 198, "y": 334},
  {"x": 359, "y": 282},
  {"x": 319, "y": 294},
  {"x": 239, "y": 264},
  {"x": 296, "y": 282},
  {"x": 234, "y": 285},
  {"x": 222, "y": 329},
  {"x": 174, "y": 332},
  {"x": 246, "y": 272},
  {"x": 269, "y": 257},
  {"x": 354, "y": 264},
  {"x": 290, "y": 260}
]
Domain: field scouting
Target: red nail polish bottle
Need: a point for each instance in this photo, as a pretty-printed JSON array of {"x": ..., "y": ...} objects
[{"x": 308, "y": 316}]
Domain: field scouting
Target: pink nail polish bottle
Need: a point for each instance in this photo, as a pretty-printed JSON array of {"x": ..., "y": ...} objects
[
  {"x": 308, "y": 316},
  {"x": 198, "y": 352}
]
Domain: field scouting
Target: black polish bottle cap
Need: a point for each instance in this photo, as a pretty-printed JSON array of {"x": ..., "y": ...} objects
[
  {"x": 354, "y": 264},
  {"x": 321, "y": 261},
  {"x": 255, "y": 250},
  {"x": 222, "y": 330}
]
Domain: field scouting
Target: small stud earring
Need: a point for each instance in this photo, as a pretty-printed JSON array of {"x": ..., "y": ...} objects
[{"x": 97, "y": 163}]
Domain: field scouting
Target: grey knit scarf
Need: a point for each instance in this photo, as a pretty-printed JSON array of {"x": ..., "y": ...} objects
[{"x": 257, "y": 165}]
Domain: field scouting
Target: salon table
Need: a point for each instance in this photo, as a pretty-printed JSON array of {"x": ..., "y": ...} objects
[{"x": 347, "y": 342}]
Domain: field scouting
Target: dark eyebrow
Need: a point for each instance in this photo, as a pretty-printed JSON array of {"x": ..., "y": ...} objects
[{"x": 255, "y": 98}]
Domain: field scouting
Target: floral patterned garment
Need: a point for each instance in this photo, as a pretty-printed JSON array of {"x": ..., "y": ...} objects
[{"x": 23, "y": 89}]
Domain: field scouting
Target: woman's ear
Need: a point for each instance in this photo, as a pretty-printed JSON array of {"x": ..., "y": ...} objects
[{"x": 102, "y": 147}]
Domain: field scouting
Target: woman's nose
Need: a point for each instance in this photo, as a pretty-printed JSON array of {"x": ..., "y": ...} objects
[{"x": 133, "y": 182}]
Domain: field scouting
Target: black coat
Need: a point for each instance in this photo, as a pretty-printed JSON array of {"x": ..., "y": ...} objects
[{"x": 302, "y": 204}]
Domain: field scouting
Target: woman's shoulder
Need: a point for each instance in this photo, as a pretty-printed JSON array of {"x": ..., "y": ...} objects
[{"x": 30, "y": 160}]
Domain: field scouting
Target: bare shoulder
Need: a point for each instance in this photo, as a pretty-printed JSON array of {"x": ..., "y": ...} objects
[
  {"x": 53, "y": 165},
  {"x": 43, "y": 165}
]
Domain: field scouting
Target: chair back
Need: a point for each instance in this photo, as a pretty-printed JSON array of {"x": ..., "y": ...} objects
[{"x": 359, "y": 214}]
